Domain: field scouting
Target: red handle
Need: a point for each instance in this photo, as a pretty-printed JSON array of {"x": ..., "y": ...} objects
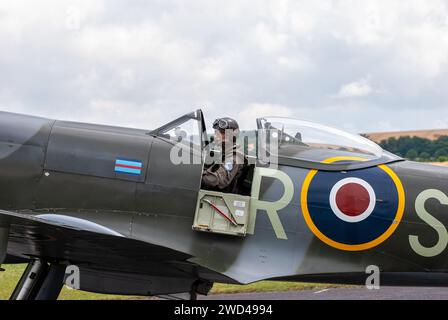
[{"x": 220, "y": 212}]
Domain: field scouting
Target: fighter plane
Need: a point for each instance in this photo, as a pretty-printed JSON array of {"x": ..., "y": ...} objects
[{"x": 126, "y": 209}]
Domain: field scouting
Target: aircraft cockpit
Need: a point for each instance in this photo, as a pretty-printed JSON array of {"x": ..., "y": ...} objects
[
  {"x": 285, "y": 139},
  {"x": 276, "y": 141}
]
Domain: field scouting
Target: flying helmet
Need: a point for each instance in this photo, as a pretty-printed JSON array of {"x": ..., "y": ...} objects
[{"x": 225, "y": 123}]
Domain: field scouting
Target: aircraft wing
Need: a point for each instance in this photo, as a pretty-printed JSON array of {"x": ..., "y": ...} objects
[{"x": 59, "y": 238}]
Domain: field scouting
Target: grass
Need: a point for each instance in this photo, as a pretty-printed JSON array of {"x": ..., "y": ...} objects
[{"x": 11, "y": 276}]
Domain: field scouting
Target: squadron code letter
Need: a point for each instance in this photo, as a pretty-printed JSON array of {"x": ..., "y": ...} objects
[{"x": 186, "y": 310}]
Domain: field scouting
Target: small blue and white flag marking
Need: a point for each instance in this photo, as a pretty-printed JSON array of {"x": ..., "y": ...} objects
[{"x": 128, "y": 166}]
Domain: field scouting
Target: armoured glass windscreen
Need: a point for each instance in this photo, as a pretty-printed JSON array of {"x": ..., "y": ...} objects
[{"x": 312, "y": 136}]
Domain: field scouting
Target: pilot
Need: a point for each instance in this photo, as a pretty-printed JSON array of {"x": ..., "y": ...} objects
[{"x": 221, "y": 175}]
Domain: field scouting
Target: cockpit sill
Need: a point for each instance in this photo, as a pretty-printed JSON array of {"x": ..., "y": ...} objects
[{"x": 387, "y": 158}]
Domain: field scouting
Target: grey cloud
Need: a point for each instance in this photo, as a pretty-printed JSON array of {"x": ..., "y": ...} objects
[{"x": 145, "y": 62}]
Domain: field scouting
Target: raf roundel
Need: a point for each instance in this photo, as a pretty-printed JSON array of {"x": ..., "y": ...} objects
[
  {"x": 352, "y": 200},
  {"x": 354, "y": 210}
]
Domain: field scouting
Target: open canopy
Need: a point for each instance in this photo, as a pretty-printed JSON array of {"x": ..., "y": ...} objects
[
  {"x": 315, "y": 142},
  {"x": 308, "y": 144}
]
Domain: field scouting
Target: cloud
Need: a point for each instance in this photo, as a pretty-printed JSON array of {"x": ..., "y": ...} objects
[
  {"x": 142, "y": 64},
  {"x": 355, "y": 89},
  {"x": 250, "y": 113}
]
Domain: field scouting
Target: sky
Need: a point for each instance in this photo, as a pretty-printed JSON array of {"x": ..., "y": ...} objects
[{"x": 362, "y": 66}]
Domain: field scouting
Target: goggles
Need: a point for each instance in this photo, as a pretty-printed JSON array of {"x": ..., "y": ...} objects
[{"x": 220, "y": 124}]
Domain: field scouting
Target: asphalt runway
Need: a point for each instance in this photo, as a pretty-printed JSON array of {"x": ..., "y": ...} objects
[{"x": 385, "y": 293}]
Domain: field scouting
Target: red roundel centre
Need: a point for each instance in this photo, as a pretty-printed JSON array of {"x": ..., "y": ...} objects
[{"x": 352, "y": 199}]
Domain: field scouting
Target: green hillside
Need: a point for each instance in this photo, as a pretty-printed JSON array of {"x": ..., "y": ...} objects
[{"x": 418, "y": 149}]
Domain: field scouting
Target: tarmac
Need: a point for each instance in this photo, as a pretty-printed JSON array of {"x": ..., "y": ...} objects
[{"x": 358, "y": 293}]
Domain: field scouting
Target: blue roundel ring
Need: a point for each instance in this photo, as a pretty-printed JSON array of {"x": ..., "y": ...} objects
[{"x": 355, "y": 210}]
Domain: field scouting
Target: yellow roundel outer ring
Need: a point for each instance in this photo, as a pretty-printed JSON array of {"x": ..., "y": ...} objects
[{"x": 343, "y": 246}]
